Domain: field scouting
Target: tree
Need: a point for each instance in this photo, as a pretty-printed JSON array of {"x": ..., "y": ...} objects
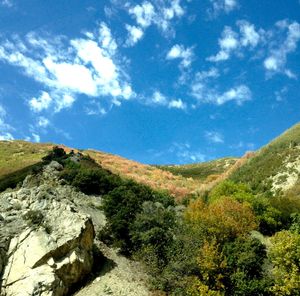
[
  {"x": 285, "y": 256},
  {"x": 224, "y": 219},
  {"x": 245, "y": 258}
]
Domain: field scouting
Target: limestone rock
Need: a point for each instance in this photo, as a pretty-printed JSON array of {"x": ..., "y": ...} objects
[{"x": 45, "y": 241}]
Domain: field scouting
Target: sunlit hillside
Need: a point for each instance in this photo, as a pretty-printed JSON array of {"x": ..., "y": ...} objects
[{"x": 275, "y": 166}]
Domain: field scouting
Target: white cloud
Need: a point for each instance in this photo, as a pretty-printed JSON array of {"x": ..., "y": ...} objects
[
  {"x": 232, "y": 42},
  {"x": 41, "y": 103},
  {"x": 36, "y": 138},
  {"x": 106, "y": 40},
  {"x": 214, "y": 137},
  {"x": 179, "y": 52},
  {"x": 227, "y": 43},
  {"x": 5, "y": 128},
  {"x": 87, "y": 66},
  {"x": 281, "y": 94},
  {"x": 219, "y": 6},
  {"x": 177, "y": 104},
  {"x": 66, "y": 101},
  {"x": 144, "y": 14},
  {"x": 271, "y": 63},
  {"x": 204, "y": 90},
  {"x": 158, "y": 13},
  {"x": 249, "y": 36},
  {"x": 134, "y": 35},
  {"x": 73, "y": 77},
  {"x": 185, "y": 153},
  {"x": 239, "y": 94},
  {"x": 277, "y": 57},
  {"x": 43, "y": 122},
  {"x": 161, "y": 100},
  {"x": 6, "y": 137},
  {"x": 281, "y": 41}
]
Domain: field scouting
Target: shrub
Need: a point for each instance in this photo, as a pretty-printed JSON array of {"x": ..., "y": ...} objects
[
  {"x": 245, "y": 258},
  {"x": 34, "y": 217},
  {"x": 121, "y": 207},
  {"x": 285, "y": 256}
]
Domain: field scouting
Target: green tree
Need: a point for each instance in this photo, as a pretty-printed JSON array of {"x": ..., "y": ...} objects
[{"x": 245, "y": 258}]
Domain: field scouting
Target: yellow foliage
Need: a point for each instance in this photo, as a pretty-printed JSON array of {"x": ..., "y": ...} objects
[
  {"x": 198, "y": 288},
  {"x": 226, "y": 218},
  {"x": 211, "y": 263},
  {"x": 285, "y": 256}
]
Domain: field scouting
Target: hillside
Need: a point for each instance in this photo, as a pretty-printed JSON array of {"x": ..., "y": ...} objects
[
  {"x": 19, "y": 157},
  {"x": 204, "y": 171},
  {"x": 92, "y": 223},
  {"x": 275, "y": 167},
  {"x": 16, "y": 155}
]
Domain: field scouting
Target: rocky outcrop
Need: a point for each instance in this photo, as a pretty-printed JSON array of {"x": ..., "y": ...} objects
[{"x": 45, "y": 241}]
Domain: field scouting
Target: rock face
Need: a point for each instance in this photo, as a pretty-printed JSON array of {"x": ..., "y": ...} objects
[{"x": 47, "y": 241}]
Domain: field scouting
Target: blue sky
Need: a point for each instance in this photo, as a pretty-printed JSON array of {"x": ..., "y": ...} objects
[{"x": 157, "y": 81}]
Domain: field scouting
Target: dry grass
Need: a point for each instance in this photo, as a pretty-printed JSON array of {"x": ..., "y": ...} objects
[{"x": 15, "y": 155}]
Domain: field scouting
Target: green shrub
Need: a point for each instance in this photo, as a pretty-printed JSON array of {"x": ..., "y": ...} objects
[
  {"x": 244, "y": 263},
  {"x": 121, "y": 207},
  {"x": 34, "y": 217}
]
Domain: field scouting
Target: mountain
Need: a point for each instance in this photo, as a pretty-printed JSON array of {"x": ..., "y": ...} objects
[
  {"x": 272, "y": 168},
  {"x": 93, "y": 223},
  {"x": 17, "y": 158}
]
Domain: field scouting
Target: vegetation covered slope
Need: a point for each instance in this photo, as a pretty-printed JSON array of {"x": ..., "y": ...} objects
[
  {"x": 154, "y": 177},
  {"x": 235, "y": 240},
  {"x": 201, "y": 171},
  {"x": 16, "y": 155},
  {"x": 275, "y": 166}
]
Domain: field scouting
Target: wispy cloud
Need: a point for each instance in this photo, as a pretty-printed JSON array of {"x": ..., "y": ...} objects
[
  {"x": 242, "y": 146},
  {"x": 281, "y": 94},
  {"x": 157, "y": 13},
  {"x": 275, "y": 44},
  {"x": 134, "y": 35},
  {"x": 232, "y": 42},
  {"x": 41, "y": 103},
  {"x": 204, "y": 90},
  {"x": 214, "y": 137},
  {"x": 277, "y": 57},
  {"x": 84, "y": 66},
  {"x": 183, "y": 153},
  {"x": 222, "y": 6},
  {"x": 179, "y": 52},
  {"x": 5, "y": 128},
  {"x": 43, "y": 122},
  {"x": 159, "y": 99}
]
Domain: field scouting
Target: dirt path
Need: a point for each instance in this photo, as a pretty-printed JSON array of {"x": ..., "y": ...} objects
[{"x": 118, "y": 277}]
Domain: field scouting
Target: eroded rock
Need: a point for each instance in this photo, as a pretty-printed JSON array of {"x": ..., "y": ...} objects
[{"x": 45, "y": 242}]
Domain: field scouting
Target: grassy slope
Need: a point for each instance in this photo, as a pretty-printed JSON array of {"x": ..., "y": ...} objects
[
  {"x": 201, "y": 171},
  {"x": 270, "y": 160},
  {"x": 16, "y": 155}
]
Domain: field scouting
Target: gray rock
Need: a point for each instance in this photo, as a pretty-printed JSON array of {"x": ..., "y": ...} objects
[{"x": 45, "y": 239}]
